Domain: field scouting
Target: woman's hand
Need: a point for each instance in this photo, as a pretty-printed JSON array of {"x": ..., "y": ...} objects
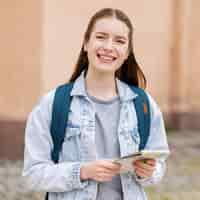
[
  {"x": 144, "y": 168},
  {"x": 100, "y": 170}
]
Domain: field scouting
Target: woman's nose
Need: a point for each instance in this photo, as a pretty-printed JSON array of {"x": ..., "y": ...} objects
[{"x": 108, "y": 45}]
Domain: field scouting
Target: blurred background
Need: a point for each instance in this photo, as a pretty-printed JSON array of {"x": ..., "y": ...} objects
[{"x": 40, "y": 42}]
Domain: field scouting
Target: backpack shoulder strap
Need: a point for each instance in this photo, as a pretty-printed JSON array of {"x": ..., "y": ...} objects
[
  {"x": 142, "y": 108},
  {"x": 61, "y": 105}
]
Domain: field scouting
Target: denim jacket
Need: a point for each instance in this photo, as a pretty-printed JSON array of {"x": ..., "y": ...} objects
[{"x": 62, "y": 180}]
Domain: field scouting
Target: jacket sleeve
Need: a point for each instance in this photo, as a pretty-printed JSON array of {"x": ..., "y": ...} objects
[
  {"x": 40, "y": 172},
  {"x": 157, "y": 140}
]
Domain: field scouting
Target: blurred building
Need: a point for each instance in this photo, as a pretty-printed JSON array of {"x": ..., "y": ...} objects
[{"x": 40, "y": 42}]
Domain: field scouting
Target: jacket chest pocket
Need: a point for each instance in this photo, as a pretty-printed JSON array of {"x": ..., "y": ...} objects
[
  {"x": 71, "y": 145},
  {"x": 135, "y": 136},
  {"x": 129, "y": 141},
  {"x": 129, "y": 128}
]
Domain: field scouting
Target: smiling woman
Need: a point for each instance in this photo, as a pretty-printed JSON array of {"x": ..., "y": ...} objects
[
  {"x": 107, "y": 47},
  {"x": 74, "y": 159},
  {"x": 109, "y": 33}
]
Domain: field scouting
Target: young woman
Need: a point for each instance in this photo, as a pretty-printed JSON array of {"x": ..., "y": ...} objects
[{"x": 101, "y": 118}]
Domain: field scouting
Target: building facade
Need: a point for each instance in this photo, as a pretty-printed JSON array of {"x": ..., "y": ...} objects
[{"x": 41, "y": 40}]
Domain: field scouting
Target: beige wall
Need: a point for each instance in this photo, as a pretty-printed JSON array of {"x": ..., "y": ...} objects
[
  {"x": 64, "y": 26},
  {"x": 20, "y": 77},
  {"x": 194, "y": 55},
  {"x": 184, "y": 88},
  {"x": 41, "y": 40}
]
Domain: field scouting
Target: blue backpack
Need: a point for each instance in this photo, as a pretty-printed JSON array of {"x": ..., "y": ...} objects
[{"x": 61, "y": 106}]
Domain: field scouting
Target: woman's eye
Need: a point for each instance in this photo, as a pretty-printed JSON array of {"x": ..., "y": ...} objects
[
  {"x": 99, "y": 37},
  {"x": 120, "y": 41}
]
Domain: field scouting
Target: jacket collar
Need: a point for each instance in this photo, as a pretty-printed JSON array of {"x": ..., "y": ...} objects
[{"x": 125, "y": 93}]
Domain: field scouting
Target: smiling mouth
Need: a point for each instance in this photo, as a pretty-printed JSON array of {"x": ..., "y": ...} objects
[{"x": 106, "y": 58}]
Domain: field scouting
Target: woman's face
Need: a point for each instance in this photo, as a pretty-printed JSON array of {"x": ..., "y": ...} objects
[{"x": 107, "y": 47}]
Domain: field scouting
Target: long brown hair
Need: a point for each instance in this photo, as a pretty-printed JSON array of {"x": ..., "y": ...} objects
[{"x": 129, "y": 72}]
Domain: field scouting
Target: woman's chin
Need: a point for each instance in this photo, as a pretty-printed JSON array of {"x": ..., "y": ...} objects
[{"x": 105, "y": 68}]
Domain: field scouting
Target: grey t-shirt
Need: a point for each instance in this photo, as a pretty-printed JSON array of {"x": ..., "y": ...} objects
[{"x": 106, "y": 124}]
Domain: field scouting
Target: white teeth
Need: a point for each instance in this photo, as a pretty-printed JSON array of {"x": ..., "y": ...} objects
[{"x": 106, "y": 58}]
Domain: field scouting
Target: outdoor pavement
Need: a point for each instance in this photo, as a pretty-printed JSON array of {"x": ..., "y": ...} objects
[{"x": 182, "y": 176}]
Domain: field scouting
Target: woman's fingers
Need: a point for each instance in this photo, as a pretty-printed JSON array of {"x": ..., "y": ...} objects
[
  {"x": 144, "y": 168},
  {"x": 146, "y": 162},
  {"x": 106, "y": 171},
  {"x": 151, "y": 162},
  {"x": 110, "y": 165},
  {"x": 143, "y": 173},
  {"x": 100, "y": 170},
  {"x": 104, "y": 177}
]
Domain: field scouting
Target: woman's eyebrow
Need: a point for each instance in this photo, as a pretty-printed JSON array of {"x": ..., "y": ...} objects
[
  {"x": 117, "y": 36},
  {"x": 102, "y": 33},
  {"x": 121, "y": 37}
]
